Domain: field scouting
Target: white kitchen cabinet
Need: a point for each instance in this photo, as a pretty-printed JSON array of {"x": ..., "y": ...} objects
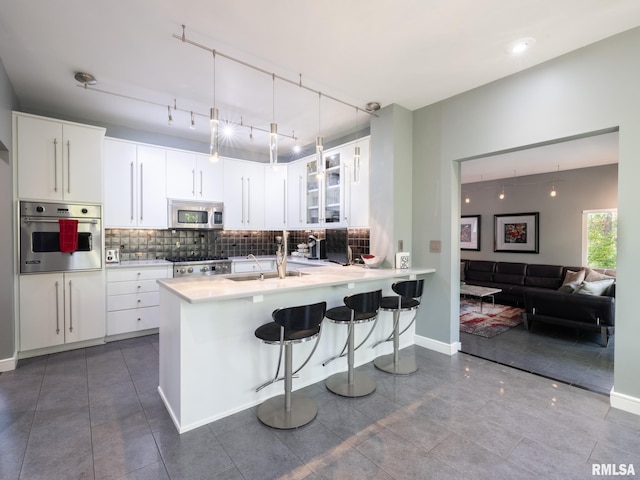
[
  {"x": 243, "y": 195},
  {"x": 135, "y": 185},
  {"x": 356, "y": 184},
  {"x": 61, "y": 308},
  {"x": 58, "y": 160},
  {"x": 324, "y": 192},
  {"x": 276, "y": 194},
  {"x": 132, "y": 298},
  {"x": 191, "y": 176},
  {"x": 296, "y": 193}
]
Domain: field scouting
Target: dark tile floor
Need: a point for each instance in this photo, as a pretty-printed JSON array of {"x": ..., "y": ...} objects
[
  {"x": 560, "y": 353},
  {"x": 95, "y": 413}
]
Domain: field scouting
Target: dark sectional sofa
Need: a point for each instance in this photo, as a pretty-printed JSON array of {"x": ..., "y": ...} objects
[{"x": 535, "y": 288}]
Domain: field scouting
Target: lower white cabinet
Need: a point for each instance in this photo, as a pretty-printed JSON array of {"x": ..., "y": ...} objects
[
  {"x": 61, "y": 308},
  {"x": 133, "y": 299}
]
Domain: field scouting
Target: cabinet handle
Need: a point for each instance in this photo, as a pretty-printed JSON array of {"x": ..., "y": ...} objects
[
  {"x": 242, "y": 202},
  {"x": 248, "y": 200},
  {"x": 70, "y": 309},
  {"x": 284, "y": 206},
  {"x": 57, "y": 310},
  {"x": 55, "y": 164},
  {"x": 201, "y": 183},
  {"x": 131, "y": 191},
  {"x": 193, "y": 177},
  {"x": 68, "y": 166},
  {"x": 346, "y": 185},
  {"x": 141, "y": 191},
  {"x": 300, "y": 198}
]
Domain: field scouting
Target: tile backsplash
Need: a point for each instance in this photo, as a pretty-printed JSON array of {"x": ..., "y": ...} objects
[{"x": 137, "y": 244}]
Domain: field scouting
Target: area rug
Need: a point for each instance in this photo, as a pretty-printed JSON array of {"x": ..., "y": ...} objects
[{"x": 493, "y": 320}]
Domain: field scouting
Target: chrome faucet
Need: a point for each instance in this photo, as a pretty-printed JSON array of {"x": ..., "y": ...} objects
[
  {"x": 251, "y": 255},
  {"x": 281, "y": 254}
]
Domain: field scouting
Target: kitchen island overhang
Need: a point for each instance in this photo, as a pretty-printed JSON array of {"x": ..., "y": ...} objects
[{"x": 210, "y": 360}]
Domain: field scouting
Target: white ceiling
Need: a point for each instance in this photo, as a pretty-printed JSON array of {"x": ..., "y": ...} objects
[{"x": 408, "y": 52}]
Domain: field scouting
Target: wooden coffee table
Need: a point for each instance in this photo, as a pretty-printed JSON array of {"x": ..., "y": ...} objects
[{"x": 479, "y": 292}]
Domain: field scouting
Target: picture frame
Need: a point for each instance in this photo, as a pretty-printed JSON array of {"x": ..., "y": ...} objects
[
  {"x": 470, "y": 232},
  {"x": 516, "y": 232}
]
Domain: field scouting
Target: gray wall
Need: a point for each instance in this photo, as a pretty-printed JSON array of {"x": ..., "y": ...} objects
[
  {"x": 8, "y": 102},
  {"x": 560, "y": 217},
  {"x": 591, "y": 89}
]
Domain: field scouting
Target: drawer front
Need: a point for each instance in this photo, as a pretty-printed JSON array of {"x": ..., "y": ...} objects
[
  {"x": 126, "y": 321},
  {"x": 131, "y": 274},
  {"x": 123, "y": 288},
  {"x": 135, "y": 301}
]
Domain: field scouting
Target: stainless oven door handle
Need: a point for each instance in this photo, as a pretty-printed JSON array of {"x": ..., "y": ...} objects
[{"x": 55, "y": 220}]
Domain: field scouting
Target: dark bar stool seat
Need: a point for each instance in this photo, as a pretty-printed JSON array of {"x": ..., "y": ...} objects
[
  {"x": 357, "y": 308},
  {"x": 408, "y": 299},
  {"x": 290, "y": 326}
]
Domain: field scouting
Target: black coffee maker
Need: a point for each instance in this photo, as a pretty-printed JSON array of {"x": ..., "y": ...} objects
[{"x": 317, "y": 248}]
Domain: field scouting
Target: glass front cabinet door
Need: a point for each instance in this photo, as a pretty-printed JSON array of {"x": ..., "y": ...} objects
[{"x": 324, "y": 198}]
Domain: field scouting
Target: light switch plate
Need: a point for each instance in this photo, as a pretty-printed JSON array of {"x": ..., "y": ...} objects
[
  {"x": 435, "y": 246},
  {"x": 403, "y": 260}
]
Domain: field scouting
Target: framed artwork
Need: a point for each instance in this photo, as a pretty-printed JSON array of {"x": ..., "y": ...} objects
[
  {"x": 470, "y": 232},
  {"x": 516, "y": 232}
]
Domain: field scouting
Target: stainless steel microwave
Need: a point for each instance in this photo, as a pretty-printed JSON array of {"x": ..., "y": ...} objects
[{"x": 186, "y": 214}]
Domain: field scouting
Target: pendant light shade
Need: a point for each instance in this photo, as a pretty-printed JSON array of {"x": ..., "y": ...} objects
[{"x": 273, "y": 146}]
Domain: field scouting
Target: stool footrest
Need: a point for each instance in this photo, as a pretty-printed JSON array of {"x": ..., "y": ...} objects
[{"x": 362, "y": 384}]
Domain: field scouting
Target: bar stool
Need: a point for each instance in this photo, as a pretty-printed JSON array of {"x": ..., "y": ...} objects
[
  {"x": 408, "y": 298},
  {"x": 290, "y": 325},
  {"x": 358, "y": 308}
]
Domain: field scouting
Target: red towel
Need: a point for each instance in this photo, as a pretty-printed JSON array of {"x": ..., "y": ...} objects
[{"x": 68, "y": 235}]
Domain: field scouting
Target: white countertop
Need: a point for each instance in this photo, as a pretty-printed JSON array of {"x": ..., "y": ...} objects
[{"x": 205, "y": 288}]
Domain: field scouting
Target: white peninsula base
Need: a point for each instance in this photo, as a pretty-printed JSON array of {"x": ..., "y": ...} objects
[{"x": 210, "y": 360}]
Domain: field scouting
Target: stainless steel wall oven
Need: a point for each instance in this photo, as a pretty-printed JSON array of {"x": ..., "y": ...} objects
[{"x": 40, "y": 237}]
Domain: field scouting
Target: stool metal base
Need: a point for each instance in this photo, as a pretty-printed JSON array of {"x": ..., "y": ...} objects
[
  {"x": 362, "y": 384},
  {"x": 272, "y": 412},
  {"x": 403, "y": 366}
]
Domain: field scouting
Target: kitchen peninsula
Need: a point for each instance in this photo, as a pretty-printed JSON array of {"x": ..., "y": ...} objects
[{"x": 210, "y": 360}]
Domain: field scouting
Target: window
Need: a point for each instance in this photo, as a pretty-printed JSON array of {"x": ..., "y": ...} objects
[{"x": 600, "y": 238}]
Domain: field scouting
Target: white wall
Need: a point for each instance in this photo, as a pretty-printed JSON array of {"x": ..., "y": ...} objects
[
  {"x": 591, "y": 89},
  {"x": 560, "y": 216},
  {"x": 8, "y": 101}
]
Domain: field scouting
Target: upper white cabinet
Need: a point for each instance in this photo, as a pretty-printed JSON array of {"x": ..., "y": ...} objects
[
  {"x": 356, "y": 183},
  {"x": 276, "y": 196},
  {"x": 243, "y": 195},
  {"x": 135, "y": 185},
  {"x": 191, "y": 176},
  {"x": 58, "y": 160},
  {"x": 296, "y": 193}
]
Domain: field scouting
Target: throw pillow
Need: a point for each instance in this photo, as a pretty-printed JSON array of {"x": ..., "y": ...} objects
[
  {"x": 596, "y": 288},
  {"x": 571, "y": 281},
  {"x": 593, "y": 276}
]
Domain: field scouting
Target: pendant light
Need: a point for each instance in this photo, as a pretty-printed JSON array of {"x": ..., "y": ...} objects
[
  {"x": 273, "y": 137},
  {"x": 319, "y": 141},
  {"x": 170, "y": 120},
  {"x": 553, "y": 191},
  {"x": 356, "y": 157},
  {"x": 214, "y": 122}
]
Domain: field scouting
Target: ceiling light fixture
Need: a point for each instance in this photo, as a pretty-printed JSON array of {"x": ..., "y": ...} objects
[
  {"x": 356, "y": 156},
  {"x": 296, "y": 147},
  {"x": 214, "y": 121},
  {"x": 553, "y": 191},
  {"x": 372, "y": 106},
  {"x": 273, "y": 136},
  {"x": 85, "y": 79},
  {"x": 467, "y": 199},
  {"x": 170, "y": 120},
  {"x": 193, "y": 122},
  {"x": 501, "y": 196},
  {"x": 319, "y": 140},
  {"x": 520, "y": 46}
]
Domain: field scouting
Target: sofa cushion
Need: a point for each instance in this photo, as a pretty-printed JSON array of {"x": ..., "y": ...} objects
[
  {"x": 597, "y": 288},
  {"x": 511, "y": 268},
  {"x": 508, "y": 278},
  {"x": 545, "y": 276},
  {"x": 572, "y": 280},
  {"x": 593, "y": 276}
]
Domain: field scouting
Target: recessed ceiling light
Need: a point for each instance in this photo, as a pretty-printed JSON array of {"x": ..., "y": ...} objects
[{"x": 520, "y": 46}]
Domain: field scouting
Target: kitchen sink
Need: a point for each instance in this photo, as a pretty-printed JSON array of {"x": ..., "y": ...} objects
[{"x": 245, "y": 277}]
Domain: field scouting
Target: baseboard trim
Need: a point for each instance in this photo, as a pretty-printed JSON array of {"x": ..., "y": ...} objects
[
  {"x": 8, "y": 364},
  {"x": 624, "y": 402},
  {"x": 438, "y": 346}
]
